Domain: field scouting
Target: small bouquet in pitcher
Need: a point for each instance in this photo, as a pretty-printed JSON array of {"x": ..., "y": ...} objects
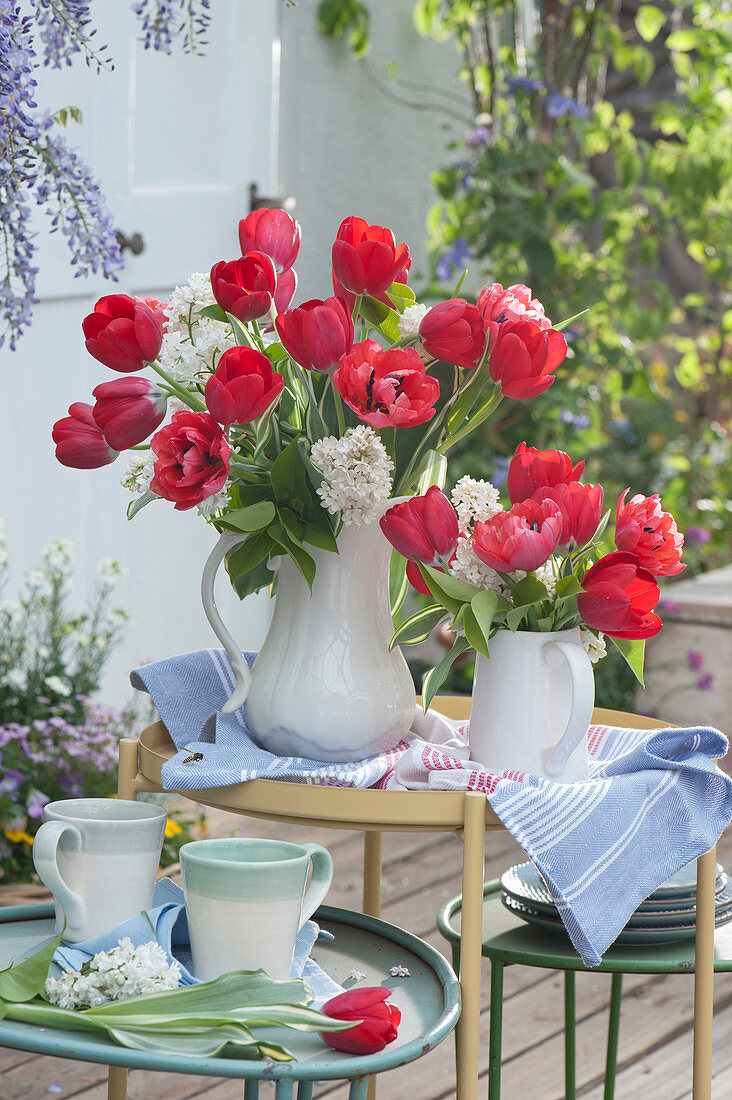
[
  {"x": 286, "y": 423},
  {"x": 536, "y": 567}
]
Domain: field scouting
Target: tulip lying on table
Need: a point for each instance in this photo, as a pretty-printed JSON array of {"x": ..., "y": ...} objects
[
  {"x": 193, "y": 1020},
  {"x": 377, "y": 1020}
]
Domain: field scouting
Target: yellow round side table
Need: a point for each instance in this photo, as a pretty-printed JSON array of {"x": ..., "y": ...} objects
[{"x": 468, "y": 814}]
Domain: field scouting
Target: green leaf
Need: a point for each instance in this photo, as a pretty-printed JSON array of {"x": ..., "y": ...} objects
[
  {"x": 241, "y": 335},
  {"x": 298, "y": 553},
  {"x": 418, "y": 626},
  {"x": 401, "y": 296},
  {"x": 398, "y": 583},
  {"x": 433, "y": 680},
  {"x": 683, "y": 40},
  {"x": 381, "y": 317},
  {"x": 633, "y": 651},
  {"x": 649, "y": 20},
  {"x": 568, "y": 321},
  {"x": 473, "y": 632},
  {"x": 289, "y": 477},
  {"x": 528, "y": 591},
  {"x": 456, "y": 591},
  {"x": 214, "y": 313},
  {"x": 26, "y": 979},
  {"x": 252, "y": 517},
  {"x": 250, "y": 573},
  {"x": 568, "y": 586},
  {"x": 137, "y": 505},
  {"x": 432, "y": 471},
  {"x": 483, "y": 607}
]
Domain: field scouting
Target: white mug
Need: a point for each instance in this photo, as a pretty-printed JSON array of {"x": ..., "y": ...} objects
[
  {"x": 246, "y": 901},
  {"x": 99, "y": 857}
]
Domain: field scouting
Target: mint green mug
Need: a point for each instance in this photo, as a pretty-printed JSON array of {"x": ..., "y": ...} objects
[{"x": 246, "y": 901}]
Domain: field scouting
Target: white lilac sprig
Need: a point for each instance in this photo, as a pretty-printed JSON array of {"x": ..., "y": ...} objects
[
  {"x": 356, "y": 474},
  {"x": 125, "y": 971}
]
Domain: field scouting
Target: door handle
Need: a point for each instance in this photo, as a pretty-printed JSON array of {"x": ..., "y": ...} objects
[{"x": 135, "y": 243}]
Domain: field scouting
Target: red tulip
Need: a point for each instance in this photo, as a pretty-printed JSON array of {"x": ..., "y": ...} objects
[
  {"x": 128, "y": 410},
  {"x": 379, "y": 1020},
  {"x": 531, "y": 470},
  {"x": 644, "y": 529},
  {"x": 511, "y": 305},
  {"x": 192, "y": 459},
  {"x": 350, "y": 299},
  {"x": 424, "y": 528},
  {"x": 317, "y": 333},
  {"x": 454, "y": 332},
  {"x": 386, "y": 387},
  {"x": 523, "y": 356},
  {"x": 524, "y": 538},
  {"x": 581, "y": 507},
  {"x": 285, "y": 290},
  {"x": 274, "y": 232},
  {"x": 79, "y": 440},
  {"x": 366, "y": 258},
  {"x": 619, "y": 597},
  {"x": 245, "y": 287},
  {"x": 416, "y": 579},
  {"x": 242, "y": 386},
  {"x": 123, "y": 333}
]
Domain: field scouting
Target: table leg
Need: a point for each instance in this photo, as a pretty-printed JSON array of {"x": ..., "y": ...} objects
[
  {"x": 570, "y": 1017},
  {"x": 358, "y": 1089},
  {"x": 495, "y": 1045},
  {"x": 471, "y": 945},
  {"x": 613, "y": 1029},
  {"x": 117, "y": 1083},
  {"x": 283, "y": 1089},
  {"x": 128, "y": 766},
  {"x": 704, "y": 976},
  {"x": 372, "y": 874},
  {"x": 305, "y": 1090},
  {"x": 251, "y": 1089}
]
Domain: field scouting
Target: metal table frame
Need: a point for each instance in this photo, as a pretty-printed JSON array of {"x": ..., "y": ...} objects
[{"x": 468, "y": 814}]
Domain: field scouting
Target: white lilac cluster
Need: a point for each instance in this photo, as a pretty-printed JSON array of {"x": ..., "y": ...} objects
[
  {"x": 212, "y": 504},
  {"x": 139, "y": 472},
  {"x": 356, "y": 474},
  {"x": 475, "y": 500},
  {"x": 125, "y": 971},
  {"x": 193, "y": 344},
  {"x": 411, "y": 319},
  {"x": 545, "y": 574},
  {"x": 467, "y": 566},
  {"x": 593, "y": 644}
]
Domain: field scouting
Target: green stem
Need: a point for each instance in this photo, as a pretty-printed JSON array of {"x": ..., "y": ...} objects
[
  {"x": 186, "y": 397},
  {"x": 490, "y": 408},
  {"x": 340, "y": 414}
]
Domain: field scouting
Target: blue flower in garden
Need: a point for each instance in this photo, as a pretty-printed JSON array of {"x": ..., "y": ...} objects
[
  {"x": 579, "y": 421},
  {"x": 524, "y": 84},
  {"x": 500, "y": 470},
  {"x": 557, "y": 105},
  {"x": 481, "y": 135},
  {"x": 11, "y": 782},
  {"x": 457, "y": 258},
  {"x": 35, "y": 804}
]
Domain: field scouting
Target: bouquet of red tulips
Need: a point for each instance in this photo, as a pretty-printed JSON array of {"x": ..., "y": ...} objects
[
  {"x": 286, "y": 422},
  {"x": 538, "y": 565}
]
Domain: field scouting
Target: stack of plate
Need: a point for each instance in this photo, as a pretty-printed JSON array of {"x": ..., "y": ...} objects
[{"x": 667, "y": 914}]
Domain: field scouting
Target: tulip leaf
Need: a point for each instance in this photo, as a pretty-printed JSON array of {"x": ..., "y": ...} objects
[
  {"x": 568, "y": 586},
  {"x": 214, "y": 313},
  {"x": 568, "y": 320},
  {"x": 473, "y": 632},
  {"x": 401, "y": 296},
  {"x": 398, "y": 582},
  {"x": 432, "y": 471},
  {"x": 417, "y": 627},
  {"x": 528, "y": 591},
  {"x": 289, "y": 478},
  {"x": 381, "y": 317},
  {"x": 483, "y": 607},
  {"x": 26, "y": 979},
  {"x": 252, "y": 517},
  {"x": 433, "y": 680},
  {"x": 457, "y": 591},
  {"x": 633, "y": 651},
  {"x": 141, "y": 502}
]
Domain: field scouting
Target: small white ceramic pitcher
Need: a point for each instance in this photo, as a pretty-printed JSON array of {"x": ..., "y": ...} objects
[{"x": 532, "y": 705}]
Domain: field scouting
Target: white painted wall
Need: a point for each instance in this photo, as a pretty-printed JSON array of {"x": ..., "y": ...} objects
[{"x": 344, "y": 150}]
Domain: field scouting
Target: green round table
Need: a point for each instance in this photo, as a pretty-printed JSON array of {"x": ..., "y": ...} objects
[
  {"x": 429, "y": 1000},
  {"x": 508, "y": 940}
]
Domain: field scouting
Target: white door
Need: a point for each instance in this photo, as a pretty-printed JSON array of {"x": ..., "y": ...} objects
[{"x": 176, "y": 142}]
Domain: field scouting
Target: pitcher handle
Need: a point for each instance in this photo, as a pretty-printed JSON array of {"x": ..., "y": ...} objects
[
  {"x": 583, "y": 700},
  {"x": 319, "y": 884},
  {"x": 45, "y": 858},
  {"x": 239, "y": 695}
]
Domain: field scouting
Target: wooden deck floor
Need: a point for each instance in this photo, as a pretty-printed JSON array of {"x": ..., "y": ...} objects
[{"x": 421, "y": 873}]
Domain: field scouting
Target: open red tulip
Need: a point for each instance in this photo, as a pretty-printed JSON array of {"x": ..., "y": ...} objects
[
  {"x": 523, "y": 538},
  {"x": 644, "y": 529},
  {"x": 386, "y": 387}
]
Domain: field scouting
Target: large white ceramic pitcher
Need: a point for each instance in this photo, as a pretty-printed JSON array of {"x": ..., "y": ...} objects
[
  {"x": 324, "y": 685},
  {"x": 532, "y": 705}
]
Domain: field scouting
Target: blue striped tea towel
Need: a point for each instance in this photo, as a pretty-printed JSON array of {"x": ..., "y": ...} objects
[{"x": 654, "y": 801}]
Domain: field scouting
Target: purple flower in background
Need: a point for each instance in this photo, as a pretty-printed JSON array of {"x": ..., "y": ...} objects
[
  {"x": 11, "y": 781},
  {"x": 705, "y": 682},
  {"x": 524, "y": 84},
  {"x": 671, "y": 607},
  {"x": 164, "y": 20},
  {"x": 36, "y": 801},
  {"x": 15, "y": 824},
  {"x": 698, "y": 534},
  {"x": 695, "y": 659},
  {"x": 579, "y": 421},
  {"x": 500, "y": 470},
  {"x": 557, "y": 105},
  {"x": 481, "y": 135},
  {"x": 455, "y": 259}
]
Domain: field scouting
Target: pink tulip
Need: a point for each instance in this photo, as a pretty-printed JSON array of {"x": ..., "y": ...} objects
[
  {"x": 245, "y": 287},
  {"x": 124, "y": 333},
  {"x": 523, "y": 357},
  {"x": 424, "y": 528},
  {"x": 511, "y": 305},
  {"x": 317, "y": 333},
  {"x": 454, "y": 332},
  {"x": 79, "y": 441},
  {"x": 128, "y": 410},
  {"x": 581, "y": 508},
  {"x": 386, "y": 387},
  {"x": 274, "y": 232},
  {"x": 644, "y": 529},
  {"x": 523, "y": 538}
]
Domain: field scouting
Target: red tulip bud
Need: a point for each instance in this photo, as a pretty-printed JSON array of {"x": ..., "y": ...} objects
[
  {"x": 424, "y": 528},
  {"x": 531, "y": 470},
  {"x": 619, "y": 597},
  {"x": 523, "y": 357},
  {"x": 245, "y": 287},
  {"x": 242, "y": 387},
  {"x": 274, "y": 232},
  {"x": 128, "y": 410},
  {"x": 454, "y": 332},
  {"x": 317, "y": 334},
  {"x": 366, "y": 258},
  {"x": 379, "y": 1020},
  {"x": 123, "y": 333},
  {"x": 79, "y": 440}
]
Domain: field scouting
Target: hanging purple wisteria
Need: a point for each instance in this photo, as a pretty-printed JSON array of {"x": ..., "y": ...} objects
[{"x": 37, "y": 165}]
